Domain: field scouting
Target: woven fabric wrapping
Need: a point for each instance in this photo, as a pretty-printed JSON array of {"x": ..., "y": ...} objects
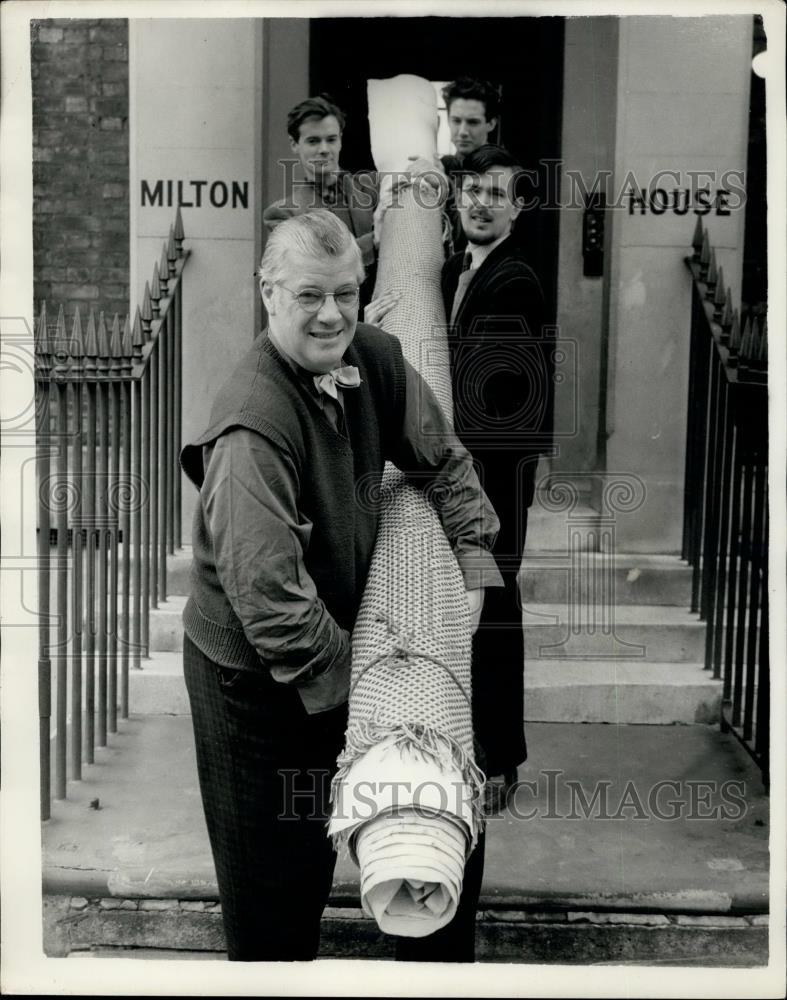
[{"x": 411, "y": 683}]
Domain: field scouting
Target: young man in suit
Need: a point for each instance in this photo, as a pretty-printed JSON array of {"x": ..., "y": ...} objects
[{"x": 501, "y": 369}]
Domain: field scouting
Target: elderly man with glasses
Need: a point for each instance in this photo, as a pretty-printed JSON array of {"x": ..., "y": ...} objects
[{"x": 283, "y": 538}]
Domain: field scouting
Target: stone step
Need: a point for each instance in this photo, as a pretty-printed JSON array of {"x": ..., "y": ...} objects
[
  {"x": 159, "y": 688},
  {"x": 626, "y": 632},
  {"x": 555, "y": 691},
  {"x": 630, "y": 632},
  {"x": 166, "y": 624},
  {"x": 549, "y": 577},
  {"x": 167, "y": 929},
  {"x": 550, "y": 531},
  {"x": 620, "y": 692},
  {"x": 179, "y": 571}
]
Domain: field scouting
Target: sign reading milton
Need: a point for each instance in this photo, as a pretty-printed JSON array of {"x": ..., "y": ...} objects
[{"x": 195, "y": 194}]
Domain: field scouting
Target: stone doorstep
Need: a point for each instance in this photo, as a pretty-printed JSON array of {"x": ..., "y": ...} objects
[
  {"x": 555, "y": 691},
  {"x": 196, "y": 891},
  {"x": 172, "y": 928},
  {"x": 659, "y": 633},
  {"x": 638, "y": 579},
  {"x": 609, "y": 691},
  {"x": 628, "y": 578}
]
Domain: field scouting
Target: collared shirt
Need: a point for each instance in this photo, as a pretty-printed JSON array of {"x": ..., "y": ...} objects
[
  {"x": 250, "y": 490},
  {"x": 332, "y": 408},
  {"x": 479, "y": 252}
]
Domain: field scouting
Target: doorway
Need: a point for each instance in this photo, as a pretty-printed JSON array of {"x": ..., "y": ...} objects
[{"x": 522, "y": 55}]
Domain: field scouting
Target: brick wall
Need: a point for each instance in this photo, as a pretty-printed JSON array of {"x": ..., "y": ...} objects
[{"x": 80, "y": 164}]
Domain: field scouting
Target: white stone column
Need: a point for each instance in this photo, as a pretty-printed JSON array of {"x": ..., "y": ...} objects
[
  {"x": 195, "y": 110},
  {"x": 682, "y": 105}
]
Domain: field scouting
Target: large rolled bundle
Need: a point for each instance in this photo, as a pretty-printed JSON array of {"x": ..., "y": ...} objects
[{"x": 407, "y": 793}]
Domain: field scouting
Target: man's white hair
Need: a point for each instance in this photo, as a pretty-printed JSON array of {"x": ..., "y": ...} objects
[{"x": 314, "y": 234}]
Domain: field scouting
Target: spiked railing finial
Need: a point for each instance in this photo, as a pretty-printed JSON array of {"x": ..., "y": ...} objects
[
  {"x": 744, "y": 350},
  {"x": 179, "y": 234},
  {"x": 719, "y": 295},
  {"x": 137, "y": 337},
  {"x": 115, "y": 347},
  {"x": 127, "y": 344},
  {"x": 735, "y": 340},
  {"x": 712, "y": 274},
  {"x": 41, "y": 342},
  {"x": 102, "y": 340},
  {"x": 163, "y": 270},
  {"x": 726, "y": 318},
  {"x": 59, "y": 352},
  {"x": 146, "y": 313},
  {"x": 705, "y": 255},
  {"x": 91, "y": 346},
  {"x": 697, "y": 239},
  {"x": 76, "y": 349},
  {"x": 172, "y": 255},
  {"x": 155, "y": 291}
]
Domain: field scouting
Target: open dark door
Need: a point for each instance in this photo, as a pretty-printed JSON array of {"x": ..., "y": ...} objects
[{"x": 523, "y": 55}]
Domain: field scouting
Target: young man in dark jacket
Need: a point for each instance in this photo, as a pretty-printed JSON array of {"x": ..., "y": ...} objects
[
  {"x": 473, "y": 108},
  {"x": 501, "y": 373}
]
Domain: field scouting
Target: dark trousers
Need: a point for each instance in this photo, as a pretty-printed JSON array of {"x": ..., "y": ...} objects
[
  {"x": 456, "y": 941},
  {"x": 498, "y": 644},
  {"x": 264, "y": 769}
]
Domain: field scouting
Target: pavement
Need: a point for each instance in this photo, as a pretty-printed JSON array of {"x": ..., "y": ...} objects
[{"x": 623, "y": 818}]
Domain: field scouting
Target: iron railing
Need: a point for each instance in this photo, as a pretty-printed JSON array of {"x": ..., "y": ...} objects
[
  {"x": 725, "y": 527},
  {"x": 108, "y": 424}
]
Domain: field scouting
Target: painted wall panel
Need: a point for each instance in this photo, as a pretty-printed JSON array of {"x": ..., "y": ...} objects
[
  {"x": 195, "y": 110},
  {"x": 648, "y": 285}
]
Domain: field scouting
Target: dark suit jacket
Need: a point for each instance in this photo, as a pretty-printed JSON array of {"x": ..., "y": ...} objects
[
  {"x": 501, "y": 372},
  {"x": 501, "y": 357}
]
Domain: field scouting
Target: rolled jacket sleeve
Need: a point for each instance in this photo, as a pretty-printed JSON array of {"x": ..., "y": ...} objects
[
  {"x": 259, "y": 540},
  {"x": 435, "y": 460}
]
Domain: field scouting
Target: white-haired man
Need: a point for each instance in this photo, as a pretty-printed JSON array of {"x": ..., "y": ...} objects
[{"x": 281, "y": 554}]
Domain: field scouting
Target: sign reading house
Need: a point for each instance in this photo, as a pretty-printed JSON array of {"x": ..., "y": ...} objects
[{"x": 194, "y": 194}]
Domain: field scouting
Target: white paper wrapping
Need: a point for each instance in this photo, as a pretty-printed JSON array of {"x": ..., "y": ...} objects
[{"x": 403, "y": 121}]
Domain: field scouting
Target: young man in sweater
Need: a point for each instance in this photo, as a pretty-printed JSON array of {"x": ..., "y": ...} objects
[
  {"x": 281, "y": 554},
  {"x": 315, "y": 127}
]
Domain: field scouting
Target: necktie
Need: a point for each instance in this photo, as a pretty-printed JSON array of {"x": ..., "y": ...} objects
[
  {"x": 467, "y": 275},
  {"x": 346, "y": 377}
]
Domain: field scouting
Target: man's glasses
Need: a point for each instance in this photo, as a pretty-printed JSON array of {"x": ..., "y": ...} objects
[{"x": 311, "y": 300}]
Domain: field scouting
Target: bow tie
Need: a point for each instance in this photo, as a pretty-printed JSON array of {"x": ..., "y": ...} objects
[{"x": 346, "y": 377}]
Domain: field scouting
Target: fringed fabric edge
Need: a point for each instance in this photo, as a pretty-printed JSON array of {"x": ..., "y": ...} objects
[{"x": 364, "y": 734}]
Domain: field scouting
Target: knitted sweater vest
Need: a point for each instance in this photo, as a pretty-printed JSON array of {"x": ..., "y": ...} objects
[{"x": 338, "y": 478}]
